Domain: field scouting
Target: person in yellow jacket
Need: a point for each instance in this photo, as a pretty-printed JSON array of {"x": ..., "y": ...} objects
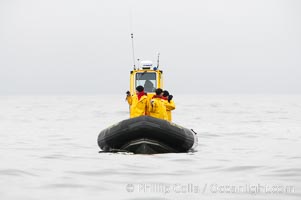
[
  {"x": 157, "y": 107},
  {"x": 138, "y": 102},
  {"x": 169, "y": 104}
]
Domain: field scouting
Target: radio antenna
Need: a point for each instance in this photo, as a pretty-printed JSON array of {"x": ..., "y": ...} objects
[
  {"x": 132, "y": 37},
  {"x": 158, "y": 54},
  {"x": 138, "y": 63},
  {"x": 133, "y": 51}
]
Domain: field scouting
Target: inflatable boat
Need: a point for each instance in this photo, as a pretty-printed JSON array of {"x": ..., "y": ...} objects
[{"x": 147, "y": 135}]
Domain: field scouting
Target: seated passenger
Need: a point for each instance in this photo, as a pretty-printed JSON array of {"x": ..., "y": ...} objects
[
  {"x": 138, "y": 102},
  {"x": 157, "y": 107},
  {"x": 169, "y": 104},
  {"x": 149, "y": 86}
]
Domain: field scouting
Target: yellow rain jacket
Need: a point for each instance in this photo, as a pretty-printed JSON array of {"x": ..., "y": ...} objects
[
  {"x": 157, "y": 108},
  {"x": 169, "y": 107},
  {"x": 137, "y": 107}
]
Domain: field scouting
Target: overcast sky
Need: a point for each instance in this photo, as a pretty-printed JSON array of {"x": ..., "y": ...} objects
[{"x": 208, "y": 46}]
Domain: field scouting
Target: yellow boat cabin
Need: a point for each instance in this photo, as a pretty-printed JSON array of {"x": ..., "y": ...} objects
[{"x": 147, "y": 76}]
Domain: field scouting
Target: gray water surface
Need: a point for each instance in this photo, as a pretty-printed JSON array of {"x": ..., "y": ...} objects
[{"x": 249, "y": 148}]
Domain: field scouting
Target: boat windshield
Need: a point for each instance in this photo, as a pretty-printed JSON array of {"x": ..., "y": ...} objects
[{"x": 147, "y": 80}]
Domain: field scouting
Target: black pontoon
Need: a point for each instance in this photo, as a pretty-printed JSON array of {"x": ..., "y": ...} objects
[{"x": 147, "y": 135}]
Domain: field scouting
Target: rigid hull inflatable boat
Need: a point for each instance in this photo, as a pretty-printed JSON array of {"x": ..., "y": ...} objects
[{"x": 147, "y": 135}]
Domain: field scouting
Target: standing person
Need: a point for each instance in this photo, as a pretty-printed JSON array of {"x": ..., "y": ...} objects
[
  {"x": 157, "y": 107},
  {"x": 137, "y": 102},
  {"x": 169, "y": 104}
]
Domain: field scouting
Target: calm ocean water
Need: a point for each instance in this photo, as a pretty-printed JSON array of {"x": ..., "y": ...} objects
[{"x": 249, "y": 148}]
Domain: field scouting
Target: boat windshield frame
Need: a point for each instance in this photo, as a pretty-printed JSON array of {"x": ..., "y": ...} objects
[{"x": 147, "y": 79}]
